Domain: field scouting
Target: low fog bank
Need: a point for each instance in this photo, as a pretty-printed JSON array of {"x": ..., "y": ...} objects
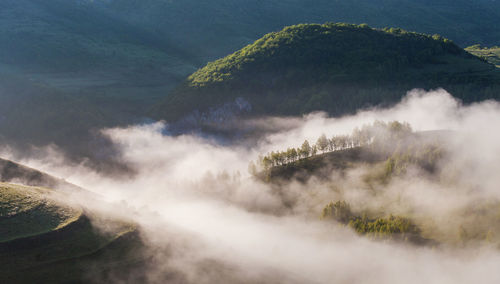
[{"x": 206, "y": 218}]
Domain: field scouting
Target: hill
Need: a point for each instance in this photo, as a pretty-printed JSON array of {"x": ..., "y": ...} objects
[
  {"x": 367, "y": 180},
  {"x": 11, "y": 172},
  {"x": 25, "y": 213},
  {"x": 337, "y": 68},
  {"x": 44, "y": 237}
]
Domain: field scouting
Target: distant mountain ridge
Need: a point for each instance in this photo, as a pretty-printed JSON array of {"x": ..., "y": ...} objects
[{"x": 106, "y": 62}]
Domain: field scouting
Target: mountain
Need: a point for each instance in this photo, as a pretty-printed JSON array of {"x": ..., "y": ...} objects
[
  {"x": 68, "y": 67},
  {"x": 123, "y": 31},
  {"x": 337, "y": 68},
  {"x": 175, "y": 36},
  {"x": 223, "y": 25},
  {"x": 60, "y": 35},
  {"x": 107, "y": 62}
]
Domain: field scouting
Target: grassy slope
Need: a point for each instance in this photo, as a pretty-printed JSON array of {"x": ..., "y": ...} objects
[
  {"x": 14, "y": 172},
  {"x": 24, "y": 212},
  {"x": 334, "y": 67},
  {"x": 38, "y": 231}
]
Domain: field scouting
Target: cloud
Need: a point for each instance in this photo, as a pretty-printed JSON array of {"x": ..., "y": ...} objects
[{"x": 208, "y": 208}]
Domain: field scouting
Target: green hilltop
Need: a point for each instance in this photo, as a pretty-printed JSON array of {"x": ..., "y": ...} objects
[
  {"x": 336, "y": 68},
  {"x": 491, "y": 54},
  {"x": 45, "y": 237},
  {"x": 24, "y": 212}
]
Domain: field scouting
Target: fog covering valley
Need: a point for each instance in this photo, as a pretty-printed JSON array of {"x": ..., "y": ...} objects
[
  {"x": 205, "y": 219},
  {"x": 249, "y": 141}
]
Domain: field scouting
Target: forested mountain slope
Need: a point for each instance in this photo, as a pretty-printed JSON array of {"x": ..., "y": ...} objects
[
  {"x": 81, "y": 34},
  {"x": 337, "y": 68}
]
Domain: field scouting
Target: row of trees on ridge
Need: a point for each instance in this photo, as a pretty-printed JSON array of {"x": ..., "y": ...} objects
[{"x": 378, "y": 132}]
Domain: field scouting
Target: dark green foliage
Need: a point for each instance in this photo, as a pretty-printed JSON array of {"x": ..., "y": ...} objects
[
  {"x": 347, "y": 49},
  {"x": 340, "y": 211},
  {"x": 337, "y": 68},
  {"x": 392, "y": 226}
]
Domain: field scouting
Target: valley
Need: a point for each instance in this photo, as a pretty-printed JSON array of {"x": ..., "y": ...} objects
[{"x": 249, "y": 141}]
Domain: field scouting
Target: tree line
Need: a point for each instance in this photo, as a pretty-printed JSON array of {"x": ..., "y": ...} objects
[{"x": 377, "y": 132}]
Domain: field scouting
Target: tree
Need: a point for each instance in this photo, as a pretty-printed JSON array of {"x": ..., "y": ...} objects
[
  {"x": 399, "y": 130},
  {"x": 356, "y": 137},
  {"x": 314, "y": 150},
  {"x": 340, "y": 211},
  {"x": 322, "y": 143},
  {"x": 335, "y": 143},
  {"x": 305, "y": 149},
  {"x": 331, "y": 145},
  {"x": 281, "y": 157},
  {"x": 275, "y": 157},
  {"x": 289, "y": 156},
  {"x": 366, "y": 134},
  {"x": 342, "y": 142},
  {"x": 294, "y": 154},
  {"x": 267, "y": 163}
]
